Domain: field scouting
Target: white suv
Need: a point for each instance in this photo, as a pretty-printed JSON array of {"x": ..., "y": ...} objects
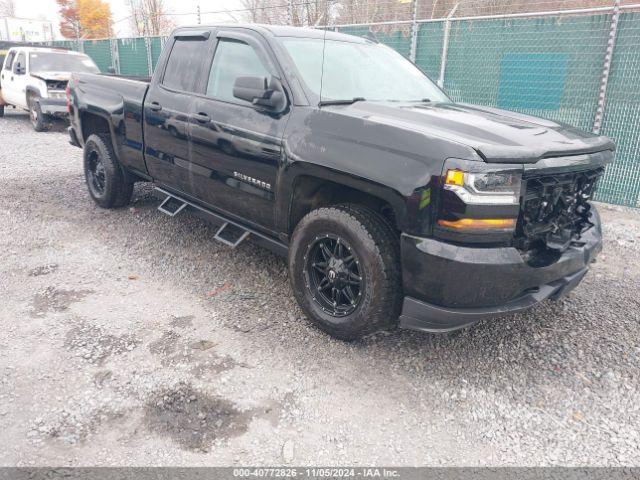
[{"x": 35, "y": 79}]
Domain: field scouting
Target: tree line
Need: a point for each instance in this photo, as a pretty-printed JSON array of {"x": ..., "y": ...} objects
[
  {"x": 92, "y": 18},
  {"x": 85, "y": 19},
  {"x": 336, "y": 12}
]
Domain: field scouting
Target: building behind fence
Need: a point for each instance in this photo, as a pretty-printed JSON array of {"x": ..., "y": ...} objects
[{"x": 579, "y": 66}]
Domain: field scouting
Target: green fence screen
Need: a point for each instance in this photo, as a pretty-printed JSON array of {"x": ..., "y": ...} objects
[
  {"x": 100, "y": 52},
  {"x": 134, "y": 60},
  {"x": 621, "y": 122}
]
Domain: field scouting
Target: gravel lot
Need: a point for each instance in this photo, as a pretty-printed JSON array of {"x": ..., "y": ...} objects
[{"x": 130, "y": 338}]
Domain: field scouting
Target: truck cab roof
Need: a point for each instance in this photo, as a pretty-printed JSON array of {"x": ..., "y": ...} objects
[
  {"x": 28, "y": 49},
  {"x": 281, "y": 31}
]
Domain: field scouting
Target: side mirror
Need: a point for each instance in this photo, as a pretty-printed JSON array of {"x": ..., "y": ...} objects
[
  {"x": 270, "y": 96},
  {"x": 111, "y": 70},
  {"x": 19, "y": 69}
]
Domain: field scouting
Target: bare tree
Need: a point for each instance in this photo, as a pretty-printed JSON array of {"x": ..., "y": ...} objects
[
  {"x": 366, "y": 11},
  {"x": 7, "y": 8},
  {"x": 150, "y": 17},
  {"x": 267, "y": 11},
  {"x": 318, "y": 13},
  {"x": 314, "y": 13},
  {"x": 311, "y": 13}
]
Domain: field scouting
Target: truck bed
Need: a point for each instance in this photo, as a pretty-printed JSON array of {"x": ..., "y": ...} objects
[{"x": 119, "y": 101}]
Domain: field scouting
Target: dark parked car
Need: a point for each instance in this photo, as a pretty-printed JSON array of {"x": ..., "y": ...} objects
[{"x": 394, "y": 204}]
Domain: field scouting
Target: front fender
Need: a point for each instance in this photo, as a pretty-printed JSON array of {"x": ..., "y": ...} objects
[
  {"x": 32, "y": 90},
  {"x": 288, "y": 180},
  {"x": 399, "y": 165}
]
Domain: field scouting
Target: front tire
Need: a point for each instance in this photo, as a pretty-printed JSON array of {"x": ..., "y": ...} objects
[
  {"x": 1, "y": 111},
  {"x": 108, "y": 185},
  {"x": 344, "y": 266},
  {"x": 39, "y": 120}
]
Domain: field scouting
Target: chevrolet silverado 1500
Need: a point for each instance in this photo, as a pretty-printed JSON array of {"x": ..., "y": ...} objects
[{"x": 394, "y": 204}]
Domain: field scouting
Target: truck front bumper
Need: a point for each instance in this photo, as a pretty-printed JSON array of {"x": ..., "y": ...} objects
[
  {"x": 449, "y": 287},
  {"x": 53, "y": 106}
]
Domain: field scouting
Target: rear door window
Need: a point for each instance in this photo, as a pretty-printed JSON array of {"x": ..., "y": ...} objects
[
  {"x": 9, "y": 62},
  {"x": 184, "y": 63},
  {"x": 21, "y": 60}
]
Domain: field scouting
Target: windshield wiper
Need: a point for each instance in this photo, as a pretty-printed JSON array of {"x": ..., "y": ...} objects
[{"x": 322, "y": 103}]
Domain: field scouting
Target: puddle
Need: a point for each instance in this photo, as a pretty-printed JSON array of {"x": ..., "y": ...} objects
[
  {"x": 74, "y": 427},
  {"x": 182, "y": 322},
  {"x": 57, "y": 300},
  {"x": 176, "y": 353},
  {"x": 94, "y": 345},
  {"x": 102, "y": 377},
  {"x": 193, "y": 419},
  {"x": 166, "y": 344},
  {"x": 214, "y": 365},
  {"x": 202, "y": 345},
  {"x": 43, "y": 270}
]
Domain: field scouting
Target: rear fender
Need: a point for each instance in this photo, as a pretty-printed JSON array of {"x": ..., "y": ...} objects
[{"x": 112, "y": 123}]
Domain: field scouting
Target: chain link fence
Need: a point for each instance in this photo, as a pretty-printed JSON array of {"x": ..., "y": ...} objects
[{"x": 575, "y": 65}]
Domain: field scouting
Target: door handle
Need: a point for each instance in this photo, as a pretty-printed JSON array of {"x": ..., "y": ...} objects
[
  {"x": 155, "y": 107},
  {"x": 201, "y": 117}
]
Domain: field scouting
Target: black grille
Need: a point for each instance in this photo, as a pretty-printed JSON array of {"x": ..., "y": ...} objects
[
  {"x": 56, "y": 84},
  {"x": 554, "y": 210}
]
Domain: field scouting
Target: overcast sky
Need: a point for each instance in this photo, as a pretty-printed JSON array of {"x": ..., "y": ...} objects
[{"x": 48, "y": 9}]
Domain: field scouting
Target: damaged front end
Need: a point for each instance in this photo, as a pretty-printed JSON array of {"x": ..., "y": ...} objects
[{"x": 555, "y": 209}]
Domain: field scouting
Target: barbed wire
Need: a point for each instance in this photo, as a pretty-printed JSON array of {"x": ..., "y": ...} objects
[{"x": 406, "y": 7}]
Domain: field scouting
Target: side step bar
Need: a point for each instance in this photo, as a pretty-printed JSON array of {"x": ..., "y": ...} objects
[
  {"x": 230, "y": 233},
  {"x": 172, "y": 206}
]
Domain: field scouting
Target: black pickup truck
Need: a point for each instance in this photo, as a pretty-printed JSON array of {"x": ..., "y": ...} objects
[{"x": 394, "y": 204}]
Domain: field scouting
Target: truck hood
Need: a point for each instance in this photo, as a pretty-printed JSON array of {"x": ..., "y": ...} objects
[
  {"x": 57, "y": 76},
  {"x": 496, "y": 135}
]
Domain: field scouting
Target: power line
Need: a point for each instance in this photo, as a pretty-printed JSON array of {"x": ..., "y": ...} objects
[{"x": 236, "y": 10}]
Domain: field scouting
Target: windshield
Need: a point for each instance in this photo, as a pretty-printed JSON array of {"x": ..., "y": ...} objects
[
  {"x": 61, "y": 62},
  {"x": 367, "y": 70}
]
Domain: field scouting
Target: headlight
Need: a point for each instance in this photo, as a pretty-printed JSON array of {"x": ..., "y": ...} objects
[
  {"x": 485, "y": 188},
  {"x": 479, "y": 202}
]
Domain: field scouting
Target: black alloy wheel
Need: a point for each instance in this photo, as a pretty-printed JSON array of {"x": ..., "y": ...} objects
[
  {"x": 107, "y": 182},
  {"x": 96, "y": 174},
  {"x": 344, "y": 268},
  {"x": 333, "y": 275}
]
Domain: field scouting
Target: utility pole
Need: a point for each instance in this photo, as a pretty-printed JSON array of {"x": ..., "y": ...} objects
[
  {"x": 606, "y": 69},
  {"x": 445, "y": 44},
  {"x": 414, "y": 32},
  {"x": 198, "y": 14}
]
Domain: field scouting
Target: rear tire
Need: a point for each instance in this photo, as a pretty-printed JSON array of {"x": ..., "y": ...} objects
[
  {"x": 1, "y": 111},
  {"x": 108, "y": 184},
  {"x": 365, "y": 271},
  {"x": 39, "y": 121}
]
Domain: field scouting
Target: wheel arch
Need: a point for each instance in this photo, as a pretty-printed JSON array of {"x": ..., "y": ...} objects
[
  {"x": 31, "y": 91},
  {"x": 97, "y": 123},
  {"x": 317, "y": 187}
]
